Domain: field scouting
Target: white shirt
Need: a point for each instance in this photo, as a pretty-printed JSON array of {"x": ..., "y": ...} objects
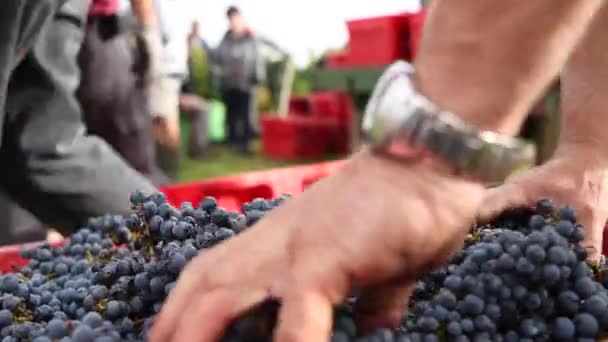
[{"x": 176, "y": 20}]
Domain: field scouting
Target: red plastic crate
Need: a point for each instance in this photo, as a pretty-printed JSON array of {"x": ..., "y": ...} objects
[
  {"x": 291, "y": 180},
  {"x": 296, "y": 137},
  {"x": 229, "y": 194},
  {"x": 10, "y": 256},
  {"x": 378, "y": 41},
  {"x": 300, "y": 105},
  {"x": 326, "y": 104},
  {"x": 334, "y": 104},
  {"x": 340, "y": 139},
  {"x": 338, "y": 60}
]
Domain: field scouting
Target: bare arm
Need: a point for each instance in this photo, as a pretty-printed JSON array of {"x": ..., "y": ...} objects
[
  {"x": 489, "y": 61},
  {"x": 585, "y": 87},
  {"x": 577, "y": 173},
  {"x": 145, "y": 11},
  {"x": 271, "y": 45}
]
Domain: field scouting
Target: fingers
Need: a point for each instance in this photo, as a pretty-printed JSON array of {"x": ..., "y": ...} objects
[
  {"x": 593, "y": 221},
  {"x": 210, "y": 314},
  {"x": 593, "y": 244},
  {"x": 305, "y": 316},
  {"x": 178, "y": 299},
  {"x": 382, "y": 306},
  {"x": 497, "y": 200},
  {"x": 513, "y": 195}
]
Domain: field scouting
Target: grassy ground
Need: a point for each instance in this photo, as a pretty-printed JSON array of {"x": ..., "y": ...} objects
[{"x": 222, "y": 161}]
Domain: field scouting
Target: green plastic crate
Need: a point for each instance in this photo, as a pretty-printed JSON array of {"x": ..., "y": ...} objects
[
  {"x": 217, "y": 121},
  {"x": 216, "y": 125}
]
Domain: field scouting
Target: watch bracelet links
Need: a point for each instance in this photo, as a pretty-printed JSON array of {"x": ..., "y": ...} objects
[{"x": 483, "y": 155}]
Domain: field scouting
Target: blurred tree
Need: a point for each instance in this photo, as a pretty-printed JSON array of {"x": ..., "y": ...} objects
[
  {"x": 302, "y": 85},
  {"x": 264, "y": 99},
  {"x": 201, "y": 73},
  {"x": 272, "y": 87},
  {"x": 303, "y": 82}
]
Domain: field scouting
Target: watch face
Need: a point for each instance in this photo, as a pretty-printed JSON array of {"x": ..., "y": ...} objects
[{"x": 390, "y": 105}]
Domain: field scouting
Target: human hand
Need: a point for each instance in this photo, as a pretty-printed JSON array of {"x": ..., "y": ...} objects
[
  {"x": 576, "y": 175},
  {"x": 154, "y": 47},
  {"x": 375, "y": 225},
  {"x": 147, "y": 63}
]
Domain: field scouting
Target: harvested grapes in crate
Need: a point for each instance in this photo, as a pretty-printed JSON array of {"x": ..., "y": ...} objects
[{"x": 525, "y": 277}]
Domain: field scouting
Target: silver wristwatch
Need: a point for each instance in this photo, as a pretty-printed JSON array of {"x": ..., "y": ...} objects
[{"x": 398, "y": 115}]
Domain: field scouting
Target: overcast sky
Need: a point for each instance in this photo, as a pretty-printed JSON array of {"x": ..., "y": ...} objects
[{"x": 299, "y": 26}]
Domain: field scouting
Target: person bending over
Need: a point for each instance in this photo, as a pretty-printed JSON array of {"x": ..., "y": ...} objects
[{"x": 48, "y": 165}]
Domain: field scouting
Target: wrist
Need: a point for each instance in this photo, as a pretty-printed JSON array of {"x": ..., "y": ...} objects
[
  {"x": 390, "y": 168},
  {"x": 586, "y": 151},
  {"x": 403, "y": 123}
]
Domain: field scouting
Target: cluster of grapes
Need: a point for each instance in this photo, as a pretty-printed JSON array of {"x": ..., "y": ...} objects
[
  {"x": 525, "y": 278},
  {"x": 111, "y": 278}
]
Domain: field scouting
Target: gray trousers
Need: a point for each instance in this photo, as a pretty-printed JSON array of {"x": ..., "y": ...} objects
[
  {"x": 47, "y": 163},
  {"x": 198, "y": 110}
]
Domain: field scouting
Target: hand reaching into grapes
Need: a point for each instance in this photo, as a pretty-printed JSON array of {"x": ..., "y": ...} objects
[
  {"x": 375, "y": 225},
  {"x": 575, "y": 176}
]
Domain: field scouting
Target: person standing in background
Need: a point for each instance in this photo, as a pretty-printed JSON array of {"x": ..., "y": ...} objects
[
  {"x": 196, "y": 91},
  {"x": 241, "y": 70},
  {"x": 166, "y": 87},
  {"x": 115, "y": 80},
  {"x": 195, "y": 40}
]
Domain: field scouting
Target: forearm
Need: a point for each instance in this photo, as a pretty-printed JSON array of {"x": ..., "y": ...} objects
[
  {"x": 145, "y": 12},
  {"x": 272, "y": 45},
  {"x": 584, "y": 90},
  {"x": 489, "y": 61},
  {"x": 64, "y": 192}
]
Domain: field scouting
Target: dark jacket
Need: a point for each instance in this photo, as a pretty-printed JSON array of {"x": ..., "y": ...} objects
[
  {"x": 241, "y": 65},
  {"x": 56, "y": 172}
]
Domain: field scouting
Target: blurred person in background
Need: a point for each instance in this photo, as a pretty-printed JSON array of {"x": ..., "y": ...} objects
[
  {"x": 116, "y": 72},
  {"x": 196, "y": 92},
  {"x": 241, "y": 68},
  {"x": 195, "y": 40},
  {"x": 166, "y": 86},
  {"x": 50, "y": 166}
]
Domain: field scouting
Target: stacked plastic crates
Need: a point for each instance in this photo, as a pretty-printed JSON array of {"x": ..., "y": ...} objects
[
  {"x": 316, "y": 126},
  {"x": 375, "y": 42},
  {"x": 337, "y": 108}
]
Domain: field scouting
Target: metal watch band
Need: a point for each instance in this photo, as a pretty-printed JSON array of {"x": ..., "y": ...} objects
[
  {"x": 486, "y": 156},
  {"x": 398, "y": 112}
]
